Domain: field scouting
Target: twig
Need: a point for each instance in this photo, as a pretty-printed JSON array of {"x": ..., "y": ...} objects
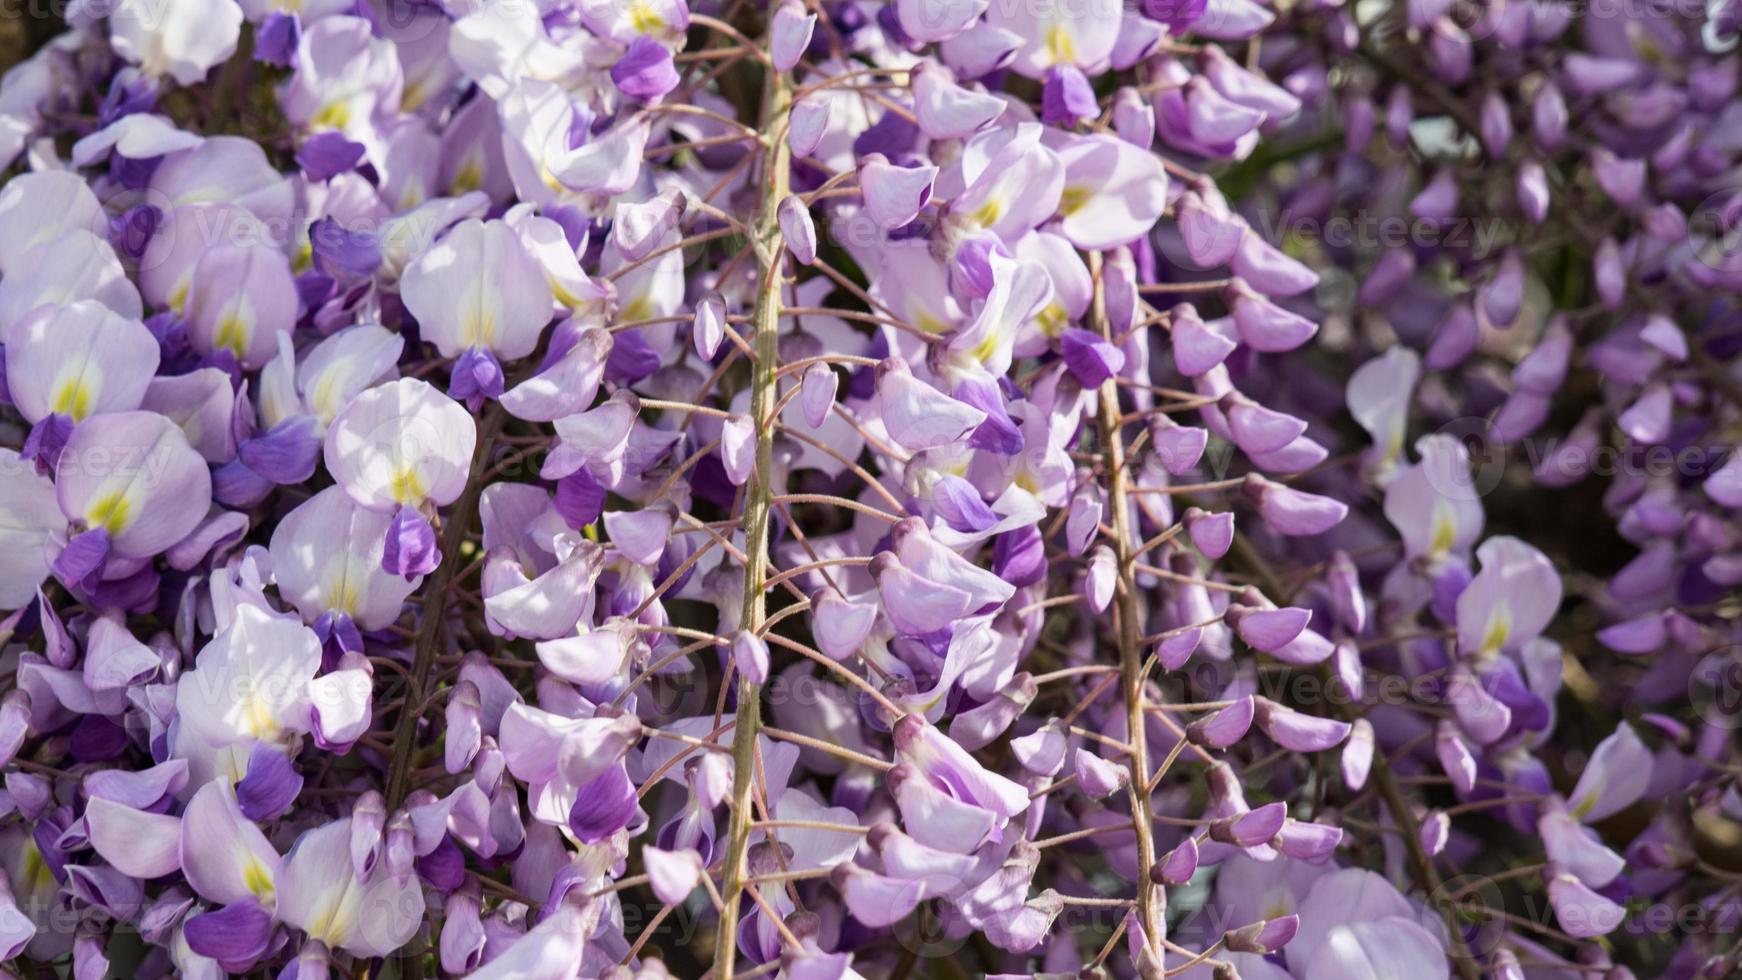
[
  {"x": 1151, "y": 897},
  {"x": 757, "y": 505},
  {"x": 430, "y": 628}
]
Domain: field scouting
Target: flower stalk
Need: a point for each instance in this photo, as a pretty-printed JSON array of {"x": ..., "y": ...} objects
[
  {"x": 429, "y": 631},
  {"x": 769, "y": 248},
  {"x": 1151, "y": 896}
]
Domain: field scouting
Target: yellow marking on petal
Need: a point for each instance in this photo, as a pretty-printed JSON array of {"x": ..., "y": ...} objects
[
  {"x": 110, "y": 512},
  {"x": 988, "y": 214},
  {"x": 73, "y": 399},
  {"x": 643, "y": 18},
  {"x": 987, "y": 349},
  {"x": 1498, "y": 629},
  {"x": 304, "y": 259},
  {"x": 1060, "y": 45},
  {"x": 408, "y": 487},
  {"x": 332, "y": 116},
  {"x": 258, "y": 719},
  {"x": 1443, "y": 537},
  {"x": 1052, "y": 320},
  {"x": 36, "y": 876},
  {"x": 1647, "y": 47},
  {"x": 326, "y": 926},
  {"x": 469, "y": 178},
  {"x": 232, "y": 334},
  {"x": 178, "y": 300},
  {"x": 478, "y": 328},
  {"x": 930, "y": 324},
  {"x": 257, "y": 878},
  {"x": 639, "y": 308},
  {"x": 342, "y": 595},
  {"x": 324, "y": 399},
  {"x": 1394, "y": 445},
  {"x": 412, "y": 96},
  {"x": 1445, "y": 533},
  {"x": 565, "y": 297},
  {"x": 1073, "y": 198}
]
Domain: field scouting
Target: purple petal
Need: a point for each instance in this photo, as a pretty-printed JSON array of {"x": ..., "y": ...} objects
[
  {"x": 645, "y": 71},
  {"x": 411, "y": 548},
  {"x": 789, "y": 34},
  {"x": 236, "y": 933},
  {"x": 1227, "y": 726},
  {"x": 894, "y": 194},
  {"x": 960, "y": 505},
  {"x": 477, "y": 375},
  {"x": 798, "y": 228},
  {"x": 1019, "y": 556},
  {"x": 579, "y": 499},
  {"x": 738, "y": 448},
  {"x": 808, "y": 124},
  {"x": 46, "y": 440},
  {"x": 1211, "y": 534},
  {"x": 672, "y": 874},
  {"x": 817, "y": 394},
  {"x": 1582, "y": 912},
  {"x": 337, "y": 248},
  {"x": 603, "y": 806},
  {"x": 1090, "y": 358},
  {"x": 632, "y": 357},
  {"x": 1268, "y": 629},
  {"x": 275, "y": 44},
  {"x": 1298, "y": 731},
  {"x": 750, "y": 653},
  {"x": 1067, "y": 97},
  {"x": 287, "y": 454},
  {"x": 324, "y": 155},
  {"x": 138, "y": 843},
  {"x": 271, "y": 785},
  {"x": 82, "y": 556},
  {"x": 1310, "y": 842},
  {"x": 1179, "y": 865}
]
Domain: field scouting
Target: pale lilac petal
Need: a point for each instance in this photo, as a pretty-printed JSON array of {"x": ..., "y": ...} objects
[
  {"x": 1615, "y": 776},
  {"x": 565, "y": 387},
  {"x": 478, "y": 287},
  {"x": 78, "y": 360},
  {"x": 138, "y": 843},
  {"x": 673, "y": 874},
  {"x": 919, "y": 416},
  {"x": 224, "y": 856},
  {"x": 789, "y": 34},
  {"x": 400, "y": 444},
  {"x": 319, "y": 894},
  {"x": 133, "y": 475},
  {"x": 1580, "y": 911},
  {"x": 894, "y": 194}
]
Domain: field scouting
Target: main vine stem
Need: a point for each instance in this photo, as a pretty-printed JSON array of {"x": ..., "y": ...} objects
[
  {"x": 429, "y": 632},
  {"x": 769, "y": 247},
  {"x": 1151, "y": 897}
]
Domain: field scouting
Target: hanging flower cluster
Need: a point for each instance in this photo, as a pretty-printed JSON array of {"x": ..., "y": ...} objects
[{"x": 831, "y": 488}]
